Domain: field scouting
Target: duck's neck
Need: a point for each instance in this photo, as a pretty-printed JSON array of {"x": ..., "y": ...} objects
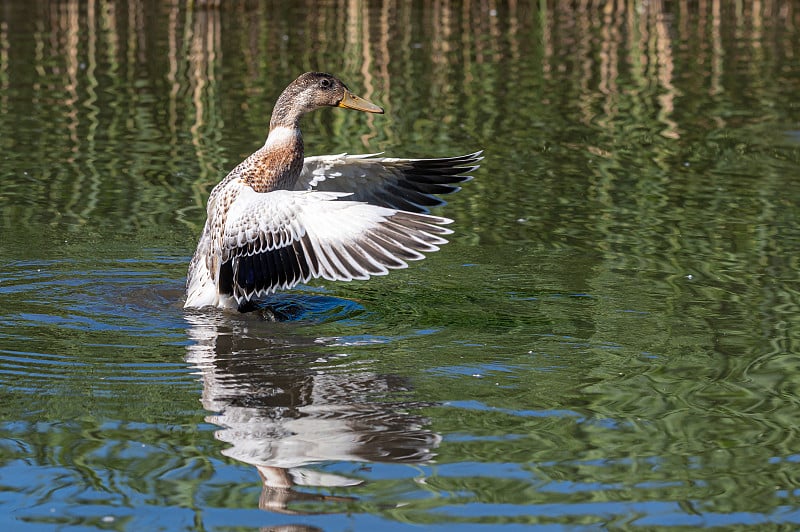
[{"x": 278, "y": 163}]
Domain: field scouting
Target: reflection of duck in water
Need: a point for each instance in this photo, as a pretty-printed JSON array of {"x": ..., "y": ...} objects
[
  {"x": 286, "y": 409},
  {"x": 278, "y": 219}
]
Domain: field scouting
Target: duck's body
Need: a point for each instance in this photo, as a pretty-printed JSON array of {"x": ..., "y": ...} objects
[{"x": 279, "y": 219}]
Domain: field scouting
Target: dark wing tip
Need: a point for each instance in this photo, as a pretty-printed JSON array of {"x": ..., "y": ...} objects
[
  {"x": 425, "y": 179},
  {"x": 449, "y": 162}
]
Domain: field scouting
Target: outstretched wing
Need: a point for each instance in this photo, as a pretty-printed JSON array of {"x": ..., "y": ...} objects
[
  {"x": 276, "y": 240},
  {"x": 412, "y": 185}
]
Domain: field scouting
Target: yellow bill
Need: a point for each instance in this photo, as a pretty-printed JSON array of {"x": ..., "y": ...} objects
[{"x": 351, "y": 101}]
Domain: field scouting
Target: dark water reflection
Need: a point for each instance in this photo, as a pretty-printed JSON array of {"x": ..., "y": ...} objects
[{"x": 610, "y": 339}]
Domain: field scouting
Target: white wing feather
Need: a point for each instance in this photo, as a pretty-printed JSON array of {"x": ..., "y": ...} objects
[{"x": 314, "y": 235}]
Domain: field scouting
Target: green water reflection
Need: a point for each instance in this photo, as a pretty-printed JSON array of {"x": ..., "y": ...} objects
[{"x": 610, "y": 339}]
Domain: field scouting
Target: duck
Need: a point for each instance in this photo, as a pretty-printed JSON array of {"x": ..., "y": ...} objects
[{"x": 279, "y": 219}]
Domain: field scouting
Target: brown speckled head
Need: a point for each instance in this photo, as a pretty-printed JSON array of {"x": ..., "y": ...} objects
[{"x": 313, "y": 90}]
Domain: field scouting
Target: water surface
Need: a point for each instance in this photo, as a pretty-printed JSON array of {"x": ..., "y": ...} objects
[{"x": 610, "y": 340}]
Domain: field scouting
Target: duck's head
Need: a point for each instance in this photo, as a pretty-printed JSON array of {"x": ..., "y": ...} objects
[{"x": 313, "y": 90}]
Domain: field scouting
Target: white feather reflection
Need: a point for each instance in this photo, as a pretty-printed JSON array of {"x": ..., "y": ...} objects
[{"x": 284, "y": 407}]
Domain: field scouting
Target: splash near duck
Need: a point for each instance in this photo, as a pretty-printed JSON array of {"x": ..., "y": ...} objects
[{"x": 280, "y": 219}]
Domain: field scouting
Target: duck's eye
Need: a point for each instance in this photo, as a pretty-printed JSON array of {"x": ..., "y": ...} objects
[{"x": 325, "y": 83}]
